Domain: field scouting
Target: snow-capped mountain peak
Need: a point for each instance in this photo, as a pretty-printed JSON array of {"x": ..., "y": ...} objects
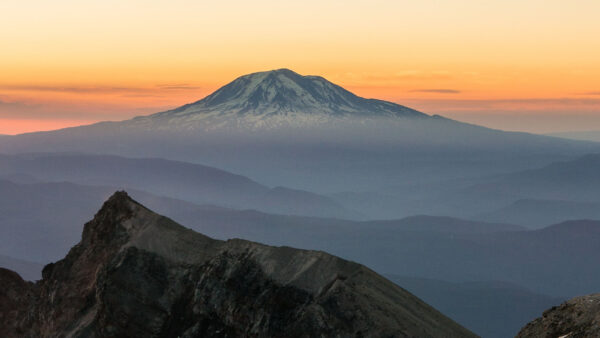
[{"x": 272, "y": 98}]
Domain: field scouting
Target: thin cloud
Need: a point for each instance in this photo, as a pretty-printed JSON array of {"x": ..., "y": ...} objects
[
  {"x": 178, "y": 86},
  {"x": 438, "y": 91},
  {"x": 70, "y": 89},
  {"x": 372, "y": 78},
  {"x": 23, "y": 110},
  {"x": 143, "y": 95},
  {"x": 34, "y": 111},
  {"x": 591, "y": 93},
  {"x": 564, "y": 106},
  {"x": 97, "y": 89},
  {"x": 5, "y": 105},
  {"x": 409, "y": 75}
]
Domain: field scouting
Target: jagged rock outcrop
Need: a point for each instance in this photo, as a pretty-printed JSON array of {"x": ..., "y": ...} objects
[
  {"x": 15, "y": 297},
  {"x": 576, "y": 318},
  {"x": 138, "y": 274}
]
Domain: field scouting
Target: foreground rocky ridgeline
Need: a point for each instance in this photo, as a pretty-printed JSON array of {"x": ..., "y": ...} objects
[
  {"x": 138, "y": 274},
  {"x": 575, "y": 318}
]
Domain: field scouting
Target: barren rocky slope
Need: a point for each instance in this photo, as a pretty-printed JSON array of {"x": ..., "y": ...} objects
[
  {"x": 136, "y": 273},
  {"x": 576, "y": 318}
]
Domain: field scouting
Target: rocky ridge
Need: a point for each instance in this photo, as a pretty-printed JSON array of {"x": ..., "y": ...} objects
[
  {"x": 576, "y": 318},
  {"x": 136, "y": 273}
]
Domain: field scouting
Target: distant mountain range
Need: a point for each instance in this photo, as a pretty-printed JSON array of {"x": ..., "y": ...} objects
[
  {"x": 192, "y": 182},
  {"x": 533, "y": 198},
  {"x": 135, "y": 273},
  {"x": 28, "y": 270},
  {"x": 557, "y": 192},
  {"x": 540, "y": 260},
  {"x": 490, "y": 309},
  {"x": 540, "y": 213},
  {"x": 40, "y": 220},
  {"x": 577, "y": 179},
  {"x": 591, "y": 135},
  {"x": 304, "y": 132}
]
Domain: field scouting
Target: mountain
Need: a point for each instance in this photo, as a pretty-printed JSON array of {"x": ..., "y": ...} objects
[
  {"x": 540, "y": 213},
  {"x": 573, "y": 184},
  {"x": 192, "y": 182},
  {"x": 19, "y": 178},
  {"x": 456, "y": 253},
  {"x": 540, "y": 260},
  {"x": 543, "y": 260},
  {"x": 443, "y": 224},
  {"x": 135, "y": 273},
  {"x": 40, "y": 221},
  {"x": 29, "y": 270},
  {"x": 273, "y": 99},
  {"x": 575, "y": 180},
  {"x": 285, "y": 129},
  {"x": 590, "y": 135},
  {"x": 536, "y": 197},
  {"x": 578, "y": 317},
  {"x": 490, "y": 309}
]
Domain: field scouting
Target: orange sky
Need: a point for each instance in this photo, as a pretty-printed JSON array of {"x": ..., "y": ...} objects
[{"x": 520, "y": 65}]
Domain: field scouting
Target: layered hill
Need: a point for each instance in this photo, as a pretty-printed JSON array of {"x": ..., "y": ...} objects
[
  {"x": 537, "y": 197},
  {"x": 540, "y": 213},
  {"x": 576, "y": 180},
  {"x": 136, "y": 273},
  {"x": 591, "y": 135},
  {"x": 542, "y": 260},
  {"x": 557, "y": 192},
  {"x": 491, "y": 309},
  {"x": 41, "y": 221},
  {"x": 187, "y": 181}
]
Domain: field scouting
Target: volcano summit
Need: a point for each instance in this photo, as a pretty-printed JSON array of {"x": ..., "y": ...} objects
[{"x": 275, "y": 98}]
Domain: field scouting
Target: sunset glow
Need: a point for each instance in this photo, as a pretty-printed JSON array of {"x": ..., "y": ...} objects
[{"x": 503, "y": 64}]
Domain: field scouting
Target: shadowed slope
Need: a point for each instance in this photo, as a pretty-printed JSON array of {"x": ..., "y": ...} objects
[{"x": 136, "y": 273}]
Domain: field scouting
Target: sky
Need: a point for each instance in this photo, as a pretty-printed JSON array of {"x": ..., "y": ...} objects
[{"x": 523, "y": 65}]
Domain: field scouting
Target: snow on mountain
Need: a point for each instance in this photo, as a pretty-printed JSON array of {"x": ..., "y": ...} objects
[{"x": 273, "y": 99}]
